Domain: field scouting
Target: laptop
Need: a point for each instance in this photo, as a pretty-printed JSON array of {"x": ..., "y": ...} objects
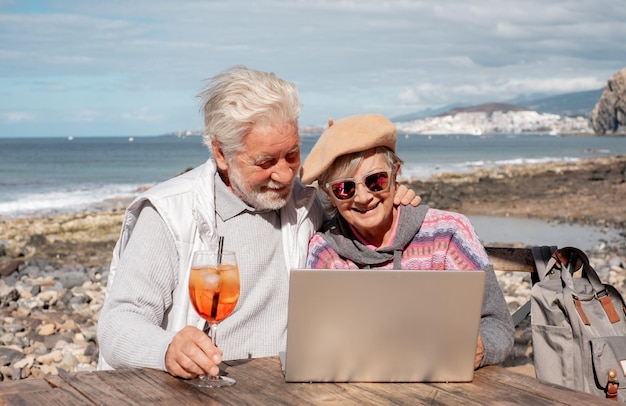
[{"x": 382, "y": 325}]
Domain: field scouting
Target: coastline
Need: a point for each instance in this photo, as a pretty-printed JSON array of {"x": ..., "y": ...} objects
[
  {"x": 590, "y": 192},
  {"x": 54, "y": 269}
]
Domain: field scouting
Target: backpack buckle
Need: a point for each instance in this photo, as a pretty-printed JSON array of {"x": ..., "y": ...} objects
[{"x": 612, "y": 385}]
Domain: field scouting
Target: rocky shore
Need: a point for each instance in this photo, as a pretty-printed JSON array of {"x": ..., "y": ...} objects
[{"x": 54, "y": 269}]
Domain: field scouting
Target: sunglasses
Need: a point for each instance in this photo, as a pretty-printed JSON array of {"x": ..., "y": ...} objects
[{"x": 375, "y": 182}]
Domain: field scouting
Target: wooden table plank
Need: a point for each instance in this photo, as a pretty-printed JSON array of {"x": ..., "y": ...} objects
[
  {"x": 553, "y": 394},
  {"x": 511, "y": 259},
  {"x": 97, "y": 390},
  {"x": 155, "y": 387},
  {"x": 491, "y": 389},
  {"x": 260, "y": 381},
  {"x": 49, "y": 391},
  {"x": 23, "y": 385}
]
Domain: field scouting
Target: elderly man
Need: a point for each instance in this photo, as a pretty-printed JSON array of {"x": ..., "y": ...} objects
[{"x": 248, "y": 194}]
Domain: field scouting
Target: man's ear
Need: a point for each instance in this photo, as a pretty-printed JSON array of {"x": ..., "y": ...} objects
[{"x": 220, "y": 160}]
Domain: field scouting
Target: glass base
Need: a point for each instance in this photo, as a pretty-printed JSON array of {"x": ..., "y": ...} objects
[{"x": 212, "y": 381}]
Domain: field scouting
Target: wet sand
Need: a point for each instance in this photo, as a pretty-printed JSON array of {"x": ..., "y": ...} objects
[{"x": 586, "y": 193}]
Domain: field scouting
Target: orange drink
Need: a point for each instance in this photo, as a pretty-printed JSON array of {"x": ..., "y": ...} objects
[{"x": 214, "y": 291}]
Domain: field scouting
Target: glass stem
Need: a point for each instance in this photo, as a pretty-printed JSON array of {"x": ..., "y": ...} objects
[{"x": 213, "y": 331}]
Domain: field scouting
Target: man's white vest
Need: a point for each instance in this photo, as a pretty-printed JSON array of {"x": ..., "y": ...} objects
[{"x": 187, "y": 205}]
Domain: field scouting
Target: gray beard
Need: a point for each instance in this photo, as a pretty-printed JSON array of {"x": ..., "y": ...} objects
[{"x": 253, "y": 197}]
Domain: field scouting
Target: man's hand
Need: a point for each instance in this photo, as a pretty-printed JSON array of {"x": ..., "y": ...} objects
[
  {"x": 405, "y": 196},
  {"x": 191, "y": 353},
  {"x": 480, "y": 352}
]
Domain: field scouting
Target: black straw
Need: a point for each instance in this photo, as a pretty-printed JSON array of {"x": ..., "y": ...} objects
[
  {"x": 220, "y": 249},
  {"x": 216, "y": 295}
]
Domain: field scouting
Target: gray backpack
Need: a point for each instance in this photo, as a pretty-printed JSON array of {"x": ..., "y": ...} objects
[{"x": 578, "y": 327}]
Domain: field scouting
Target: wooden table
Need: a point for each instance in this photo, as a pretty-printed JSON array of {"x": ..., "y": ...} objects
[{"x": 260, "y": 381}]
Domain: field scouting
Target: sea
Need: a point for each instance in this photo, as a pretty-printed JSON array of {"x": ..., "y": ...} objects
[{"x": 46, "y": 176}]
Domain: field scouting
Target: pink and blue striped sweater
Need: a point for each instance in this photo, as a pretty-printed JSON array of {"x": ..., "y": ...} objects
[
  {"x": 424, "y": 239},
  {"x": 444, "y": 240}
]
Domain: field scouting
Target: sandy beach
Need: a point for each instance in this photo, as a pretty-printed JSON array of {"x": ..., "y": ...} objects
[
  {"x": 587, "y": 192},
  {"x": 590, "y": 192}
]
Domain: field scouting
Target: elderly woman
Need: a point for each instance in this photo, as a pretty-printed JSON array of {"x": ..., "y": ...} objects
[{"x": 355, "y": 164}]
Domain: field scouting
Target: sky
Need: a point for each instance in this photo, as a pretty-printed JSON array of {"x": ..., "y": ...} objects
[{"x": 134, "y": 68}]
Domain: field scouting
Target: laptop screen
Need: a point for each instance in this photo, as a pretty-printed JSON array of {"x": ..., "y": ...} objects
[{"x": 382, "y": 326}]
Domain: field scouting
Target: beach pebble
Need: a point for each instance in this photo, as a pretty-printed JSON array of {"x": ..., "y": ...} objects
[
  {"x": 10, "y": 356},
  {"x": 616, "y": 262},
  {"x": 48, "y": 319},
  {"x": 46, "y": 329},
  {"x": 7, "y": 293},
  {"x": 50, "y": 358},
  {"x": 26, "y": 362}
]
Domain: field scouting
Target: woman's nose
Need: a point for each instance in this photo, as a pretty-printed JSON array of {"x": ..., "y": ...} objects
[{"x": 362, "y": 194}]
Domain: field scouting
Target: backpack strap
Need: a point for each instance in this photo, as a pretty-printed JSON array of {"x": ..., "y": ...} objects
[
  {"x": 567, "y": 259},
  {"x": 541, "y": 256},
  {"x": 581, "y": 312}
]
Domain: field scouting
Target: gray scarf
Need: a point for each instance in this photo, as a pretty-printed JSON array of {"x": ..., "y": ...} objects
[{"x": 340, "y": 237}]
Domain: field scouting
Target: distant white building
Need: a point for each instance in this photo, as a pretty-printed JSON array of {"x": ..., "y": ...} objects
[{"x": 478, "y": 123}]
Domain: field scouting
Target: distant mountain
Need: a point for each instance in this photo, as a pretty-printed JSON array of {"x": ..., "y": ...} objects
[
  {"x": 527, "y": 97},
  {"x": 567, "y": 104},
  {"x": 418, "y": 115},
  {"x": 486, "y": 108}
]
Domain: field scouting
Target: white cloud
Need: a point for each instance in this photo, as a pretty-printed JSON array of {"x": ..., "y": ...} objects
[
  {"x": 142, "y": 114},
  {"x": 17, "y": 116},
  {"x": 108, "y": 59},
  {"x": 85, "y": 116}
]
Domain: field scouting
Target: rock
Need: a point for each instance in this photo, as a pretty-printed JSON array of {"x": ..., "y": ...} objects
[
  {"x": 48, "y": 369},
  {"x": 49, "y": 297},
  {"x": 89, "y": 333},
  {"x": 39, "y": 348},
  {"x": 9, "y": 356},
  {"x": 22, "y": 312},
  {"x": 11, "y": 327},
  {"x": 7, "y": 293},
  {"x": 616, "y": 262},
  {"x": 68, "y": 363},
  {"x": 69, "y": 325},
  {"x": 609, "y": 115},
  {"x": 38, "y": 240},
  {"x": 26, "y": 362},
  {"x": 72, "y": 278},
  {"x": 49, "y": 358},
  {"x": 46, "y": 329},
  {"x": 9, "y": 372},
  {"x": 11, "y": 266}
]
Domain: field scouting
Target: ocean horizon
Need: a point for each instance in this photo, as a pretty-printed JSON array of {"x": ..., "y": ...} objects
[{"x": 45, "y": 176}]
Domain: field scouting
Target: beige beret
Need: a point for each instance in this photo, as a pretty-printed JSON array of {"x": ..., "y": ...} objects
[{"x": 345, "y": 136}]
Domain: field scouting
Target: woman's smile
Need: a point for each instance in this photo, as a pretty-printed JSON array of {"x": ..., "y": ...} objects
[{"x": 366, "y": 210}]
